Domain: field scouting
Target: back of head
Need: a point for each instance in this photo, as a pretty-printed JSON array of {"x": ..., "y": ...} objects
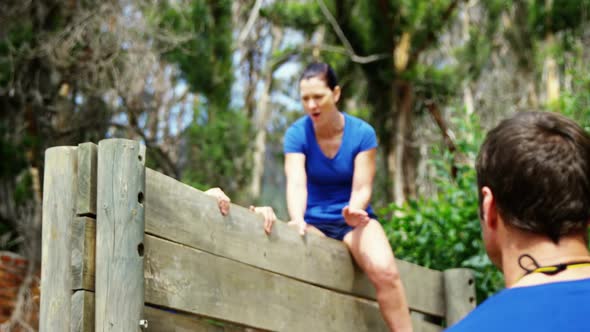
[
  {"x": 322, "y": 71},
  {"x": 537, "y": 165}
]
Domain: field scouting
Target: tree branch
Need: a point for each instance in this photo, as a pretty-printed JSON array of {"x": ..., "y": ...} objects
[
  {"x": 438, "y": 118},
  {"x": 250, "y": 23},
  {"x": 349, "y": 50}
]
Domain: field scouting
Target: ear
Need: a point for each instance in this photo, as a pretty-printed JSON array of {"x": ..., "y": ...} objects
[
  {"x": 489, "y": 210},
  {"x": 336, "y": 93}
]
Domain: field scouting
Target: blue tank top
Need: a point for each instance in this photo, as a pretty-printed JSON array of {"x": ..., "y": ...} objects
[
  {"x": 329, "y": 180},
  {"x": 558, "y": 306}
]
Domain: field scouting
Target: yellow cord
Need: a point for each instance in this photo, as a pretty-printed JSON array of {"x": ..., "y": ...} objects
[{"x": 549, "y": 269}]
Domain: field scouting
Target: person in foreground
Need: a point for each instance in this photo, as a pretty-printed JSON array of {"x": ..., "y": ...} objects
[
  {"x": 533, "y": 174},
  {"x": 330, "y": 166}
]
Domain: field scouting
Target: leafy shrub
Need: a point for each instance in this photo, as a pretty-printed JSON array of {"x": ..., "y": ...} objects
[{"x": 443, "y": 231}]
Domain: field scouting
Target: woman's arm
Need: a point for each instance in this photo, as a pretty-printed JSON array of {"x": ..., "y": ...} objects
[
  {"x": 296, "y": 188},
  {"x": 362, "y": 179},
  {"x": 362, "y": 188}
]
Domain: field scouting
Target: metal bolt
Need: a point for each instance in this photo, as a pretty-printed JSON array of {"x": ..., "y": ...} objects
[{"x": 143, "y": 323}]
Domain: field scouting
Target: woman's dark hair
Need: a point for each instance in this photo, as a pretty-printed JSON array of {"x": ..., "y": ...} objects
[
  {"x": 537, "y": 165},
  {"x": 322, "y": 71}
]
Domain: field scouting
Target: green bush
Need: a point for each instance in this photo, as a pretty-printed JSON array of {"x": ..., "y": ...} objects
[
  {"x": 217, "y": 153},
  {"x": 443, "y": 231}
]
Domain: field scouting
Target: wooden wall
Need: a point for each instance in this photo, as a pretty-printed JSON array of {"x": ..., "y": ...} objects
[{"x": 143, "y": 246}]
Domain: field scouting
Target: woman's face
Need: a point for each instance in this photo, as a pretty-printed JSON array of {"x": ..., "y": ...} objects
[{"x": 318, "y": 99}]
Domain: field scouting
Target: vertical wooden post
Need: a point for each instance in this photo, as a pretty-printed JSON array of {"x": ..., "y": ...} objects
[
  {"x": 82, "y": 311},
  {"x": 86, "y": 194},
  {"x": 459, "y": 294},
  {"x": 119, "y": 296},
  {"x": 59, "y": 188},
  {"x": 84, "y": 241}
]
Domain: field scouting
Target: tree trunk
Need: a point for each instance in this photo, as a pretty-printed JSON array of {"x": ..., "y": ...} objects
[
  {"x": 550, "y": 72},
  {"x": 261, "y": 119},
  {"x": 402, "y": 180},
  {"x": 467, "y": 92},
  {"x": 468, "y": 99}
]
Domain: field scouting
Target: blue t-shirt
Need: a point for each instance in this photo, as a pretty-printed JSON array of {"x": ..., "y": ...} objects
[
  {"x": 329, "y": 180},
  {"x": 558, "y": 306}
]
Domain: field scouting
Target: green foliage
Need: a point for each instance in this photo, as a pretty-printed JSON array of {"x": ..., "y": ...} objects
[
  {"x": 443, "y": 231},
  {"x": 576, "y": 107},
  {"x": 24, "y": 189},
  {"x": 474, "y": 55},
  {"x": 11, "y": 154},
  {"x": 425, "y": 19},
  {"x": 305, "y": 16},
  {"x": 206, "y": 59},
  {"x": 562, "y": 15},
  {"x": 431, "y": 82},
  {"x": 13, "y": 172},
  {"x": 216, "y": 156},
  {"x": 18, "y": 36},
  {"x": 534, "y": 21},
  {"x": 218, "y": 138},
  {"x": 576, "y": 104}
]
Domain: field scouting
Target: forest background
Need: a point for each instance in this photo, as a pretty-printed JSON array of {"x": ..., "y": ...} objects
[{"x": 209, "y": 86}]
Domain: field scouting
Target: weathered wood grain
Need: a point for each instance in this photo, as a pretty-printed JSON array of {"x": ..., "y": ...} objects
[
  {"x": 59, "y": 206},
  {"x": 169, "y": 321},
  {"x": 198, "y": 282},
  {"x": 83, "y": 253},
  {"x": 183, "y": 214},
  {"x": 87, "y": 168},
  {"x": 82, "y": 311},
  {"x": 119, "y": 236},
  {"x": 459, "y": 294},
  {"x": 198, "y": 261}
]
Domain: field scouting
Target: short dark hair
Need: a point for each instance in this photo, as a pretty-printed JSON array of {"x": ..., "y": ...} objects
[
  {"x": 537, "y": 165},
  {"x": 321, "y": 70}
]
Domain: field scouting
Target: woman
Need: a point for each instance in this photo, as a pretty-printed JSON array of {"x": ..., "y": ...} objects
[{"x": 330, "y": 166}]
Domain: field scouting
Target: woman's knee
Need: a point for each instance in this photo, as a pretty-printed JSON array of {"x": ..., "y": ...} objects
[{"x": 383, "y": 274}]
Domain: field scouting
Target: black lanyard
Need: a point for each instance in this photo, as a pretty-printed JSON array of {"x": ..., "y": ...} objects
[{"x": 550, "y": 269}]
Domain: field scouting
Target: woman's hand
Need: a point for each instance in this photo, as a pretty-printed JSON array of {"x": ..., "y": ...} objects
[
  {"x": 222, "y": 200},
  {"x": 300, "y": 225},
  {"x": 355, "y": 217},
  {"x": 269, "y": 216}
]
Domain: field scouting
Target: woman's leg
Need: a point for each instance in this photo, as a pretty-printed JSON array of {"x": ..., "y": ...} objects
[{"x": 372, "y": 252}]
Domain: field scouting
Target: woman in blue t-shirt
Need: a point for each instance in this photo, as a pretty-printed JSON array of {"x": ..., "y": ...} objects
[{"x": 330, "y": 166}]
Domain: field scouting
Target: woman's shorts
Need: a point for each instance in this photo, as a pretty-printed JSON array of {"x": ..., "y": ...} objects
[{"x": 335, "y": 229}]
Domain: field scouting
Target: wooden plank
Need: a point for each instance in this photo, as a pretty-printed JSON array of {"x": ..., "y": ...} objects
[
  {"x": 183, "y": 214},
  {"x": 424, "y": 288},
  {"x": 83, "y": 253},
  {"x": 59, "y": 204},
  {"x": 82, "y": 311},
  {"x": 421, "y": 325},
  {"x": 197, "y": 282},
  {"x": 169, "y": 321},
  {"x": 119, "y": 236},
  {"x": 86, "y": 198},
  {"x": 459, "y": 294}
]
